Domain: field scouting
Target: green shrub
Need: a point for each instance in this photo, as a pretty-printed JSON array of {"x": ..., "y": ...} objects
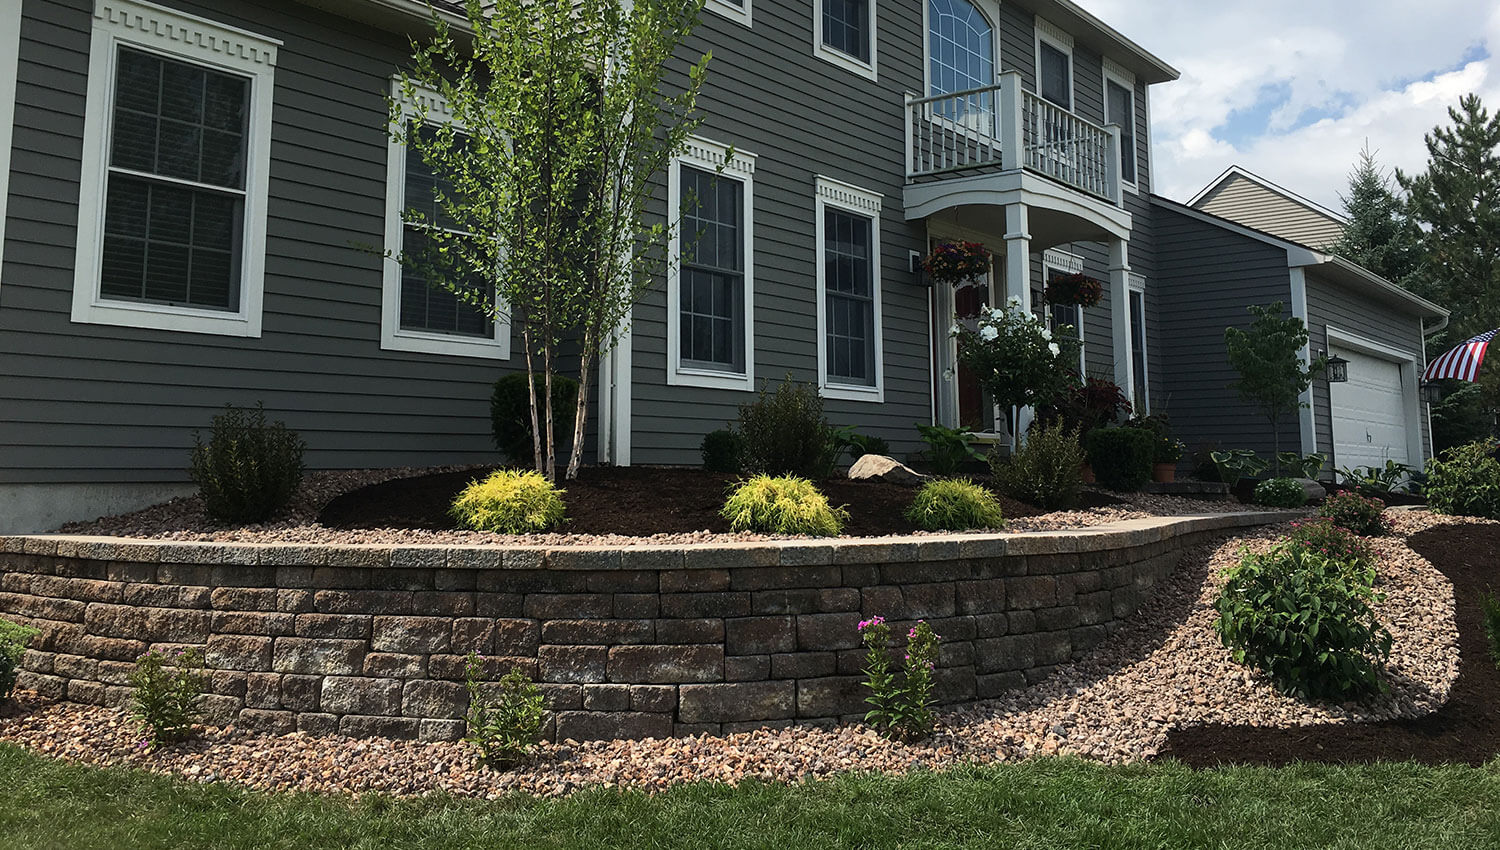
[
  {"x": 1323, "y": 537},
  {"x": 786, "y": 505},
  {"x": 1046, "y": 471},
  {"x": 167, "y": 690},
  {"x": 901, "y": 709},
  {"x": 1280, "y": 493},
  {"x": 248, "y": 470},
  {"x": 1167, "y": 449},
  {"x": 1305, "y": 619},
  {"x": 1359, "y": 514},
  {"x": 509, "y": 502},
  {"x": 1489, "y": 606},
  {"x": 721, "y": 451},
  {"x": 955, "y": 504},
  {"x": 948, "y": 448},
  {"x": 510, "y": 414},
  {"x": 859, "y": 445},
  {"x": 785, "y": 432},
  {"x": 1465, "y": 481},
  {"x": 504, "y": 719},
  {"x": 1122, "y": 457},
  {"x": 1376, "y": 480},
  {"x": 13, "y": 640}
]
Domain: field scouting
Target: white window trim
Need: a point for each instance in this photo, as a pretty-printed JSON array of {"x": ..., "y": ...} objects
[
  {"x": 991, "y": 12},
  {"x": 838, "y": 57},
  {"x": 201, "y": 42},
  {"x": 1056, "y": 36},
  {"x": 427, "y": 107},
  {"x": 1115, "y": 73},
  {"x": 740, "y": 14},
  {"x": 10, "y": 49},
  {"x": 710, "y": 156},
  {"x": 841, "y": 195},
  {"x": 1137, "y": 283},
  {"x": 1055, "y": 259}
]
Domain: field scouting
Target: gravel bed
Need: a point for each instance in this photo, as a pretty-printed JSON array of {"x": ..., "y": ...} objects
[
  {"x": 183, "y": 519},
  {"x": 1164, "y": 669}
]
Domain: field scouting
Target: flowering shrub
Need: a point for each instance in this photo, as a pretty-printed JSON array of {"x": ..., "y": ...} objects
[
  {"x": 1046, "y": 471},
  {"x": 1074, "y": 289},
  {"x": 1015, "y": 358},
  {"x": 504, "y": 719},
  {"x": 1280, "y": 493},
  {"x": 1359, "y": 514},
  {"x": 901, "y": 708},
  {"x": 168, "y": 688},
  {"x": 1331, "y": 541},
  {"x": 956, "y": 262},
  {"x": 13, "y": 640}
]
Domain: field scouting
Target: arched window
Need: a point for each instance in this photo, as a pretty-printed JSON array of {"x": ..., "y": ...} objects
[{"x": 961, "y": 47}]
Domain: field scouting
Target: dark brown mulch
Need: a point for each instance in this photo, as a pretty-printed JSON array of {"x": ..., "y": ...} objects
[
  {"x": 631, "y": 500},
  {"x": 1465, "y": 730}
]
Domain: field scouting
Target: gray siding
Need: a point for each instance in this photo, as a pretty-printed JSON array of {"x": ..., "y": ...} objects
[
  {"x": 1254, "y": 205},
  {"x": 100, "y": 403}
]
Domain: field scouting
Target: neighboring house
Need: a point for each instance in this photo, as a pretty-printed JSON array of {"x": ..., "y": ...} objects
[
  {"x": 200, "y": 192},
  {"x": 1256, "y": 202}
]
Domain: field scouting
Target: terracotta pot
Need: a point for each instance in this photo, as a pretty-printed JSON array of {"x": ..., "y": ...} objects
[
  {"x": 1164, "y": 473},
  {"x": 1088, "y": 473}
]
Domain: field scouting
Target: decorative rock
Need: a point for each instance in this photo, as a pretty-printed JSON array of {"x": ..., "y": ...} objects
[
  {"x": 1314, "y": 490},
  {"x": 882, "y": 468}
]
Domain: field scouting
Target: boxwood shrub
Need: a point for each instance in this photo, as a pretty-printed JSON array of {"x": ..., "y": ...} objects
[
  {"x": 510, "y": 414},
  {"x": 955, "y": 504},
  {"x": 509, "y": 502},
  {"x": 1122, "y": 457},
  {"x": 249, "y": 469},
  {"x": 782, "y": 505}
]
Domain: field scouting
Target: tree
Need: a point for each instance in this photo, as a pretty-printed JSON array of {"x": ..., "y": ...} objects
[
  {"x": 1268, "y": 357},
  {"x": 1380, "y": 235},
  {"x": 560, "y": 121}
]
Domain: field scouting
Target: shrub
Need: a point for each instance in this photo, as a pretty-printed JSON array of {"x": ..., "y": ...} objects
[
  {"x": 955, "y": 504},
  {"x": 13, "y": 640},
  {"x": 948, "y": 448},
  {"x": 1305, "y": 619},
  {"x": 167, "y": 691},
  {"x": 504, "y": 719},
  {"x": 721, "y": 451},
  {"x": 785, "y": 432},
  {"x": 1376, "y": 480},
  {"x": 1122, "y": 457},
  {"x": 858, "y": 445},
  {"x": 509, "y": 502},
  {"x": 786, "y": 505},
  {"x": 900, "y": 708},
  {"x": 248, "y": 470},
  {"x": 1465, "y": 481},
  {"x": 510, "y": 414},
  {"x": 1280, "y": 493},
  {"x": 1489, "y": 606},
  {"x": 1045, "y": 471},
  {"x": 1359, "y": 514},
  {"x": 1321, "y": 536},
  {"x": 1166, "y": 449}
]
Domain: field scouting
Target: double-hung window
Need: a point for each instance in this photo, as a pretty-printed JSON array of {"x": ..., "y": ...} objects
[
  {"x": 1056, "y": 262},
  {"x": 1139, "y": 368},
  {"x": 1119, "y": 108},
  {"x": 844, "y": 34},
  {"x": 419, "y": 311},
  {"x": 849, "y": 320},
  {"x": 1054, "y": 64},
  {"x": 172, "y": 205},
  {"x": 710, "y": 281}
]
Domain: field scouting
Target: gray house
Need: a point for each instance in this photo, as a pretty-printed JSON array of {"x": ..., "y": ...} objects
[{"x": 195, "y": 195}]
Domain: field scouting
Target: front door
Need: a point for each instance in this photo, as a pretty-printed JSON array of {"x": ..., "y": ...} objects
[{"x": 959, "y": 399}]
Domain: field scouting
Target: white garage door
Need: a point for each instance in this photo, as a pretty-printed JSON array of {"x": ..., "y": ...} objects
[{"x": 1369, "y": 412}]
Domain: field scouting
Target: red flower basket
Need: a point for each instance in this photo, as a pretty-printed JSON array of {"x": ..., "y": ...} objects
[
  {"x": 1074, "y": 289},
  {"x": 955, "y": 262}
]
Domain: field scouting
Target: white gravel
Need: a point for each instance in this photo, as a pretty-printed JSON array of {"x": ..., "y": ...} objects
[{"x": 1165, "y": 669}]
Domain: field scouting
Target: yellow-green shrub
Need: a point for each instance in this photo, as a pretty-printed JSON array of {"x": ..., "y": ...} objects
[
  {"x": 509, "y": 502},
  {"x": 955, "y": 504},
  {"x": 782, "y": 505}
]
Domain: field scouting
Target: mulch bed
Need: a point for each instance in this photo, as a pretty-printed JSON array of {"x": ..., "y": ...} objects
[
  {"x": 1465, "y": 730},
  {"x": 633, "y": 500}
]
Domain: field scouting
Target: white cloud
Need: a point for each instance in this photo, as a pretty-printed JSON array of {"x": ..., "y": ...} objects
[{"x": 1293, "y": 89}]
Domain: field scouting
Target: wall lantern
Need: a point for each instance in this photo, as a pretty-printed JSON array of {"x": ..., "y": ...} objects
[
  {"x": 1338, "y": 370},
  {"x": 1431, "y": 392}
]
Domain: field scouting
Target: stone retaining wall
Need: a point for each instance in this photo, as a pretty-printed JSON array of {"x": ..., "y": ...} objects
[{"x": 627, "y": 642}]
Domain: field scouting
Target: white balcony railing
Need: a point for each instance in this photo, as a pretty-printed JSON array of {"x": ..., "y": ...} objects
[{"x": 1005, "y": 127}]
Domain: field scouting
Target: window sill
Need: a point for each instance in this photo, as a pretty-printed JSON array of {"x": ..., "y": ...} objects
[
  {"x": 166, "y": 318},
  {"x": 847, "y": 62},
  {"x": 430, "y": 343},
  {"x": 853, "y": 392},
  {"x": 739, "y": 14},
  {"x": 687, "y": 376}
]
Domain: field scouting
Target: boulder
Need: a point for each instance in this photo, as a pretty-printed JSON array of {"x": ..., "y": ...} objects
[
  {"x": 882, "y": 468},
  {"x": 1315, "y": 491}
]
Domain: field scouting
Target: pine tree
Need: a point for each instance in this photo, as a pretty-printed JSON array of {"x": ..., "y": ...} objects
[{"x": 1380, "y": 235}]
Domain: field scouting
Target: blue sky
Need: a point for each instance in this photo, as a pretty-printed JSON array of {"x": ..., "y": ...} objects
[{"x": 1293, "y": 89}]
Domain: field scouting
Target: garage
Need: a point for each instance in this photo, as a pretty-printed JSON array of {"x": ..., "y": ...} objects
[{"x": 1369, "y": 412}]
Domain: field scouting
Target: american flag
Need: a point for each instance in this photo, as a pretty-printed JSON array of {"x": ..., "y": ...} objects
[{"x": 1463, "y": 361}]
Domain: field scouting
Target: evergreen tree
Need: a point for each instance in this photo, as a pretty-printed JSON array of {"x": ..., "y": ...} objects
[{"x": 1380, "y": 235}]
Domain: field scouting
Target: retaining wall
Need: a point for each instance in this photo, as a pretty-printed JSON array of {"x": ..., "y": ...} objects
[{"x": 627, "y": 642}]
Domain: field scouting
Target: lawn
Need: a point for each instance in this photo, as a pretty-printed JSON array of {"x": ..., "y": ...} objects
[{"x": 1047, "y": 803}]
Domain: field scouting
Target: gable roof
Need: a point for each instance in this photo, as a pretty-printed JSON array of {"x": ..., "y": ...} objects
[{"x": 1252, "y": 200}]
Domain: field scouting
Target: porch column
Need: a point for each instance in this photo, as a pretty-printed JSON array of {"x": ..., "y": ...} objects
[
  {"x": 1018, "y": 285},
  {"x": 1119, "y": 294}
]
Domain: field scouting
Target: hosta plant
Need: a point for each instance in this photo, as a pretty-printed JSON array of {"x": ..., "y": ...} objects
[
  {"x": 784, "y": 505},
  {"x": 509, "y": 502},
  {"x": 955, "y": 504},
  {"x": 900, "y": 702}
]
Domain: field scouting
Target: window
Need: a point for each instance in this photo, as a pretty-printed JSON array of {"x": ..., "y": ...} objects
[
  {"x": 848, "y": 238},
  {"x": 735, "y": 10},
  {"x": 1058, "y": 262},
  {"x": 1054, "y": 64},
  {"x": 418, "y": 314},
  {"x": 1138, "y": 363},
  {"x": 844, "y": 34},
  {"x": 1119, "y": 108},
  {"x": 172, "y": 206},
  {"x": 961, "y": 56},
  {"x": 710, "y": 282}
]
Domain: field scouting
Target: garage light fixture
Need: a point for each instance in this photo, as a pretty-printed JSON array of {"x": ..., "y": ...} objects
[
  {"x": 1338, "y": 370},
  {"x": 1431, "y": 392}
]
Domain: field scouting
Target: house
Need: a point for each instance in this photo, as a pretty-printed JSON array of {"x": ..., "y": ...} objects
[{"x": 199, "y": 194}]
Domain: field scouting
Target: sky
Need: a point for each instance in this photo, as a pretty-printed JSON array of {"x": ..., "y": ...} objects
[{"x": 1293, "y": 89}]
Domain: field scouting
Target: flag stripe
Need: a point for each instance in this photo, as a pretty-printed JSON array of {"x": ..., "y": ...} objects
[{"x": 1463, "y": 361}]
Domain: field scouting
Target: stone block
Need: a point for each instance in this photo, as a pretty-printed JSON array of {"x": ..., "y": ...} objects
[
  {"x": 473, "y": 634},
  {"x": 261, "y": 690},
  {"x": 562, "y": 697},
  {"x": 453, "y": 667},
  {"x": 88, "y": 693},
  {"x": 606, "y": 697},
  {"x": 267, "y": 721},
  {"x": 558, "y": 606},
  {"x": 432, "y": 603},
  {"x": 598, "y": 632},
  {"x": 498, "y": 604},
  {"x": 300, "y": 693},
  {"x": 362, "y": 601},
  {"x": 411, "y": 634},
  {"x": 1003, "y": 654},
  {"x": 318, "y": 656},
  {"x": 803, "y": 665},
  {"x": 317, "y": 725},
  {"x": 430, "y": 729},
  {"x": 295, "y": 601},
  {"x": 720, "y": 604},
  {"x": 243, "y": 599},
  {"x": 760, "y": 635},
  {"x": 214, "y": 709},
  {"x": 359, "y": 695},
  {"x": 251, "y": 623},
  {"x": 441, "y": 700},
  {"x": 76, "y": 667},
  {"x": 994, "y": 684},
  {"x": 780, "y": 578},
  {"x": 822, "y": 632},
  {"x": 1053, "y": 619},
  {"x": 656, "y": 698},
  {"x": 364, "y": 726},
  {"x": 885, "y": 601},
  {"x": 251, "y": 653},
  {"x": 517, "y": 637},
  {"x": 348, "y": 626},
  {"x": 636, "y": 606},
  {"x": 700, "y": 580},
  {"x": 395, "y": 665},
  {"x": 1031, "y": 592},
  {"x": 666, "y": 664},
  {"x": 612, "y": 725},
  {"x": 831, "y": 697},
  {"x": 1095, "y": 608},
  {"x": 985, "y": 596},
  {"x": 689, "y": 631},
  {"x": 747, "y": 668},
  {"x": 1053, "y": 648},
  {"x": 929, "y": 601},
  {"x": 572, "y": 664},
  {"x": 737, "y": 702}
]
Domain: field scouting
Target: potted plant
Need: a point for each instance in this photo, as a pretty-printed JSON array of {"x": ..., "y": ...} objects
[
  {"x": 1076, "y": 288},
  {"x": 953, "y": 263},
  {"x": 1166, "y": 450}
]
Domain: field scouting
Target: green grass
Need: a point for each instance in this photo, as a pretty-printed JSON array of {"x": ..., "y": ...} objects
[{"x": 1049, "y": 803}]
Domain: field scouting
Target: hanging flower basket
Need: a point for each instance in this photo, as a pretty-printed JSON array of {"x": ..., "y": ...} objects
[
  {"x": 953, "y": 263},
  {"x": 1074, "y": 289}
]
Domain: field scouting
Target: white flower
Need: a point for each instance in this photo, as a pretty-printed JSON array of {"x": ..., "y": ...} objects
[
  {"x": 1052, "y": 347},
  {"x": 953, "y": 331},
  {"x": 1047, "y": 334},
  {"x": 1014, "y": 301},
  {"x": 996, "y": 313},
  {"x": 988, "y": 333},
  {"x": 947, "y": 374}
]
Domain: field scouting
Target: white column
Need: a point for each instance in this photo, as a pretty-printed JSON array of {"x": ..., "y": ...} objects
[
  {"x": 1018, "y": 282},
  {"x": 1119, "y": 296}
]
